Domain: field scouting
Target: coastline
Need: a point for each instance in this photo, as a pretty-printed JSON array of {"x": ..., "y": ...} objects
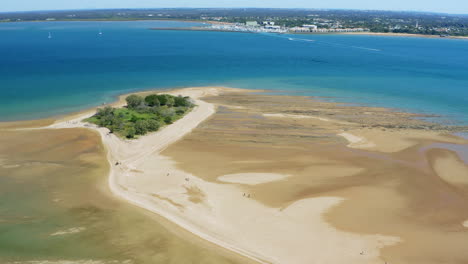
[
  {"x": 389, "y": 34},
  {"x": 138, "y": 156},
  {"x": 402, "y": 35},
  {"x": 199, "y": 28},
  {"x": 199, "y": 114}
]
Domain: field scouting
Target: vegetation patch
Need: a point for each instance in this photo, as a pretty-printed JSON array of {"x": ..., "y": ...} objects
[{"x": 142, "y": 114}]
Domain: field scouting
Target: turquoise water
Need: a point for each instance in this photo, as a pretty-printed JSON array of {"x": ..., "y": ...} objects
[{"x": 78, "y": 68}]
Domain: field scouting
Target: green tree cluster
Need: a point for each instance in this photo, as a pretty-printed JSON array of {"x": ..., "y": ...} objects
[{"x": 142, "y": 114}]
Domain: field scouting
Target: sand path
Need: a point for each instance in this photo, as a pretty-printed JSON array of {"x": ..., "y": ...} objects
[{"x": 219, "y": 212}]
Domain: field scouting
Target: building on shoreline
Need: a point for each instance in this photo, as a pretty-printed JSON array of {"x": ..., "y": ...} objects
[
  {"x": 251, "y": 23},
  {"x": 270, "y": 27}
]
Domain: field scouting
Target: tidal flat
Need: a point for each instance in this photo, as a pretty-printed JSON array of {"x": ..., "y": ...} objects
[
  {"x": 279, "y": 179},
  {"x": 55, "y": 207}
]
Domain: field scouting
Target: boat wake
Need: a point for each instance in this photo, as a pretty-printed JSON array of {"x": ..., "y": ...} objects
[
  {"x": 300, "y": 39},
  {"x": 365, "y": 48}
]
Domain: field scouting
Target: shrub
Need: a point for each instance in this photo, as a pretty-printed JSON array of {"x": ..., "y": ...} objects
[
  {"x": 166, "y": 111},
  {"x": 134, "y": 118},
  {"x": 153, "y": 125},
  {"x": 134, "y": 100},
  {"x": 170, "y": 101},
  {"x": 168, "y": 120},
  {"x": 141, "y": 127},
  {"x": 152, "y": 100},
  {"x": 130, "y": 132},
  {"x": 181, "y": 101},
  {"x": 162, "y": 99}
]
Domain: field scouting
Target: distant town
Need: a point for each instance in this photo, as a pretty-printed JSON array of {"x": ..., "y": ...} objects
[
  {"x": 273, "y": 20},
  {"x": 271, "y": 27}
]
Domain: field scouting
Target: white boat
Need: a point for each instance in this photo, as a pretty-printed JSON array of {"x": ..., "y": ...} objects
[{"x": 100, "y": 32}]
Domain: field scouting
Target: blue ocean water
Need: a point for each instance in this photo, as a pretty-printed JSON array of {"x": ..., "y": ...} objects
[{"x": 77, "y": 67}]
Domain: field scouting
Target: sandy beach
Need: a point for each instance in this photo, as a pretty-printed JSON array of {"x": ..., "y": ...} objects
[
  {"x": 402, "y": 35},
  {"x": 280, "y": 183}
]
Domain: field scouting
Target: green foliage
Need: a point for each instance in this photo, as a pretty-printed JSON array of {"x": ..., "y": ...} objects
[
  {"x": 130, "y": 132},
  {"x": 134, "y": 101},
  {"x": 168, "y": 120},
  {"x": 141, "y": 127},
  {"x": 152, "y": 100},
  {"x": 181, "y": 101},
  {"x": 162, "y": 99},
  {"x": 166, "y": 111},
  {"x": 153, "y": 125},
  {"x": 170, "y": 101},
  {"x": 142, "y": 115}
]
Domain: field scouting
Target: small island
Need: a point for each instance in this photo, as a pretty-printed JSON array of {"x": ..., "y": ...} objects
[{"x": 142, "y": 114}]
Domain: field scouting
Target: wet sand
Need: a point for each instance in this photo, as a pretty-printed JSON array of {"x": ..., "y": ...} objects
[
  {"x": 402, "y": 35},
  {"x": 287, "y": 179},
  {"x": 56, "y": 207},
  {"x": 391, "y": 182}
]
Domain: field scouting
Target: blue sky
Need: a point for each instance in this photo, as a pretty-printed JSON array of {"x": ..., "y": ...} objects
[{"x": 446, "y": 6}]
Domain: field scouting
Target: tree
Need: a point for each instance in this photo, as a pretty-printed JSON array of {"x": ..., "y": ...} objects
[
  {"x": 162, "y": 99},
  {"x": 168, "y": 120},
  {"x": 166, "y": 111},
  {"x": 153, "y": 125},
  {"x": 134, "y": 100},
  {"x": 134, "y": 118},
  {"x": 181, "y": 101},
  {"x": 130, "y": 132},
  {"x": 170, "y": 101},
  {"x": 152, "y": 100},
  {"x": 105, "y": 111},
  {"x": 141, "y": 127}
]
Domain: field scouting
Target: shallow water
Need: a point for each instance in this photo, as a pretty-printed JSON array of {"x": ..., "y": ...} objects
[
  {"x": 461, "y": 150},
  {"x": 78, "y": 68},
  {"x": 54, "y": 205}
]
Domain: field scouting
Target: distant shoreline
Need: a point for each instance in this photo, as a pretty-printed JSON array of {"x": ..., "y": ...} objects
[
  {"x": 199, "y": 29},
  {"x": 315, "y": 33},
  {"x": 401, "y": 35},
  {"x": 389, "y": 34}
]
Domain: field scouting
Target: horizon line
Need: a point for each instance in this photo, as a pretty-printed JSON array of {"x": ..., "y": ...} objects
[{"x": 279, "y": 8}]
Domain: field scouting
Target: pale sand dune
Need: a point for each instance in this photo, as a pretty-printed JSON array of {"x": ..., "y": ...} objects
[
  {"x": 295, "y": 234},
  {"x": 465, "y": 224},
  {"x": 69, "y": 231},
  {"x": 356, "y": 141},
  {"x": 252, "y": 178},
  {"x": 391, "y": 141}
]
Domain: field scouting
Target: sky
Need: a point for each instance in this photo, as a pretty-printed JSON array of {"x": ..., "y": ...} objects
[{"x": 446, "y": 6}]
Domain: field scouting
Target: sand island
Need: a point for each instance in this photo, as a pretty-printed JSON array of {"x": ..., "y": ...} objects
[{"x": 290, "y": 179}]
